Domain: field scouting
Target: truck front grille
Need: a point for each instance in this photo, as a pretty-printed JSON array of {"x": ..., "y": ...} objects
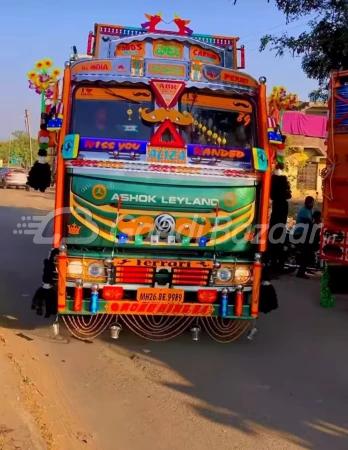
[
  {"x": 190, "y": 277},
  {"x": 134, "y": 275}
]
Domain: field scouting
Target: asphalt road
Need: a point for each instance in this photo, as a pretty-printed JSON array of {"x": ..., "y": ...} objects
[{"x": 287, "y": 389}]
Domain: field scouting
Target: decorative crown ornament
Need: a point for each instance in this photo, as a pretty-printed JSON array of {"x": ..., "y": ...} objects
[{"x": 74, "y": 229}]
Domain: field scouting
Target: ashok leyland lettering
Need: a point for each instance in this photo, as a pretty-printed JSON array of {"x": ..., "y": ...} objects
[{"x": 164, "y": 159}]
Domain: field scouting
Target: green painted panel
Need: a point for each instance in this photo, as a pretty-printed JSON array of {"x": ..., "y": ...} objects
[{"x": 193, "y": 201}]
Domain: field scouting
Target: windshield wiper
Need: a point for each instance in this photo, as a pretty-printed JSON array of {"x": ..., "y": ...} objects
[
  {"x": 107, "y": 90},
  {"x": 193, "y": 101},
  {"x": 129, "y": 100}
]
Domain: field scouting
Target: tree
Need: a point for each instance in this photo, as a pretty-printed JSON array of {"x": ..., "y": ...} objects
[
  {"x": 324, "y": 47},
  {"x": 18, "y": 147}
]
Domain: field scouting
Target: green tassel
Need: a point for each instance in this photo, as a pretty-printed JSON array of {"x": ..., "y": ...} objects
[{"x": 327, "y": 300}]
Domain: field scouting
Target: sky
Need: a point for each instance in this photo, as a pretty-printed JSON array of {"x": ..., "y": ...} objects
[{"x": 39, "y": 29}]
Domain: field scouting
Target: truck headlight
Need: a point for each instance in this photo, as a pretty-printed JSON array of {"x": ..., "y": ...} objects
[
  {"x": 96, "y": 270},
  {"x": 224, "y": 275},
  {"x": 75, "y": 268},
  {"x": 242, "y": 275}
]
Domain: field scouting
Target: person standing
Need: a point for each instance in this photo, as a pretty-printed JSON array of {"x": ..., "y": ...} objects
[
  {"x": 303, "y": 229},
  {"x": 280, "y": 194}
]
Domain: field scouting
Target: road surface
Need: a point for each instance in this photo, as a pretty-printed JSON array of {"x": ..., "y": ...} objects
[{"x": 287, "y": 389}]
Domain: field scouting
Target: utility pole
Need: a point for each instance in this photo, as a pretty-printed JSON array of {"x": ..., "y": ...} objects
[
  {"x": 27, "y": 121},
  {"x": 9, "y": 152}
]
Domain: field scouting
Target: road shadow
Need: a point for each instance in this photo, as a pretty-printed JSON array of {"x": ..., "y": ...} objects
[
  {"x": 292, "y": 379},
  {"x": 21, "y": 265}
]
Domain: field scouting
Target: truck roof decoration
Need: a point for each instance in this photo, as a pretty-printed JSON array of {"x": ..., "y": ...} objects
[
  {"x": 138, "y": 55},
  {"x": 108, "y": 41}
]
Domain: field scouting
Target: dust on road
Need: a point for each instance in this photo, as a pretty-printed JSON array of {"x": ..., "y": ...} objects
[{"x": 285, "y": 390}]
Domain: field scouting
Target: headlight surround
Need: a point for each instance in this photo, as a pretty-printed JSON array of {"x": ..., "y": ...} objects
[
  {"x": 96, "y": 270},
  {"x": 224, "y": 275},
  {"x": 231, "y": 274},
  {"x": 87, "y": 269}
]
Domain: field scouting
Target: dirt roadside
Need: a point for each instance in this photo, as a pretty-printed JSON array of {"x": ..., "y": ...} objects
[
  {"x": 18, "y": 429},
  {"x": 34, "y": 412}
]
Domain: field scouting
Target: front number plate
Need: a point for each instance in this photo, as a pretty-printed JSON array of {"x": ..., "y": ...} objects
[{"x": 160, "y": 295}]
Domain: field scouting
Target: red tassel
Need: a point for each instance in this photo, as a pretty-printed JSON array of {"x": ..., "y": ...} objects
[
  {"x": 238, "y": 305},
  {"x": 78, "y": 299}
]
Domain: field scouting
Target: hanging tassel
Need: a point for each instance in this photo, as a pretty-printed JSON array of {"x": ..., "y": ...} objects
[
  {"x": 268, "y": 298},
  {"x": 327, "y": 300},
  {"x": 46, "y": 297},
  {"x": 268, "y": 295},
  {"x": 39, "y": 177}
]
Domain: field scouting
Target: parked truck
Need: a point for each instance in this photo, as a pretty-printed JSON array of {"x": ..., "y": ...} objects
[
  {"x": 162, "y": 185},
  {"x": 334, "y": 237}
]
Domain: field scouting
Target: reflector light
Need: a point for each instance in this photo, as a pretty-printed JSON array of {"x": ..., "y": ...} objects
[
  {"x": 112, "y": 292},
  {"x": 206, "y": 295}
]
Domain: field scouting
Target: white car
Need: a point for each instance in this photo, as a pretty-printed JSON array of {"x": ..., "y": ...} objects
[{"x": 13, "y": 177}]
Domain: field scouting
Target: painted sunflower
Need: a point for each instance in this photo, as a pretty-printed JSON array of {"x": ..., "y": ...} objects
[
  {"x": 47, "y": 63},
  {"x": 39, "y": 65},
  {"x": 31, "y": 75},
  {"x": 55, "y": 73}
]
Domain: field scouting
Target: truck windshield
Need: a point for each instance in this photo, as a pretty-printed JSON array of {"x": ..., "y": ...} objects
[
  {"x": 111, "y": 113},
  {"x": 218, "y": 121}
]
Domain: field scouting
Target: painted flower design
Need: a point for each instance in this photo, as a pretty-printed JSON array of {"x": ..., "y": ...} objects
[
  {"x": 31, "y": 75},
  {"x": 39, "y": 65},
  {"x": 44, "y": 77},
  {"x": 55, "y": 73},
  {"x": 45, "y": 86},
  {"x": 47, "y": 63},
  {"x": 49, "y": 93}
]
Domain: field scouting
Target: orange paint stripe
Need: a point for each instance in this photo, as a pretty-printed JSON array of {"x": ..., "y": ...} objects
[
  {"x": 62, "y": 266},
  {"x": 256, "y": 290},
  {"x": 217, "y": 102},
  {"x": 59, "y": 203},
  {"x": 266, "y": 181}
]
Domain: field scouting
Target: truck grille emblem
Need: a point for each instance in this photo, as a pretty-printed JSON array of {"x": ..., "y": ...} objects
[{"x": 164, "y": 225}]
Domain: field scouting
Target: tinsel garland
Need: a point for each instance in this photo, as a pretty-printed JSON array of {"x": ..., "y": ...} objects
[{"x": 327, "y": 300}]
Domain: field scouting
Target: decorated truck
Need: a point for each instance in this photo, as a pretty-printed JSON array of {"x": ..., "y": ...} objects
[
  {"x": 162, "y": 185},
  {"x": 334, "y": 236}
]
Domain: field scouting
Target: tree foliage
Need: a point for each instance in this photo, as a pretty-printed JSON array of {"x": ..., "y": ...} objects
[
  {"x": 324, "y": 47},
  {"x": 18, "y": 147}
]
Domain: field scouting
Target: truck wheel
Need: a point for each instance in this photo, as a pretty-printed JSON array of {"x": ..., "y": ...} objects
[{"x": 27, "y": 188}]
